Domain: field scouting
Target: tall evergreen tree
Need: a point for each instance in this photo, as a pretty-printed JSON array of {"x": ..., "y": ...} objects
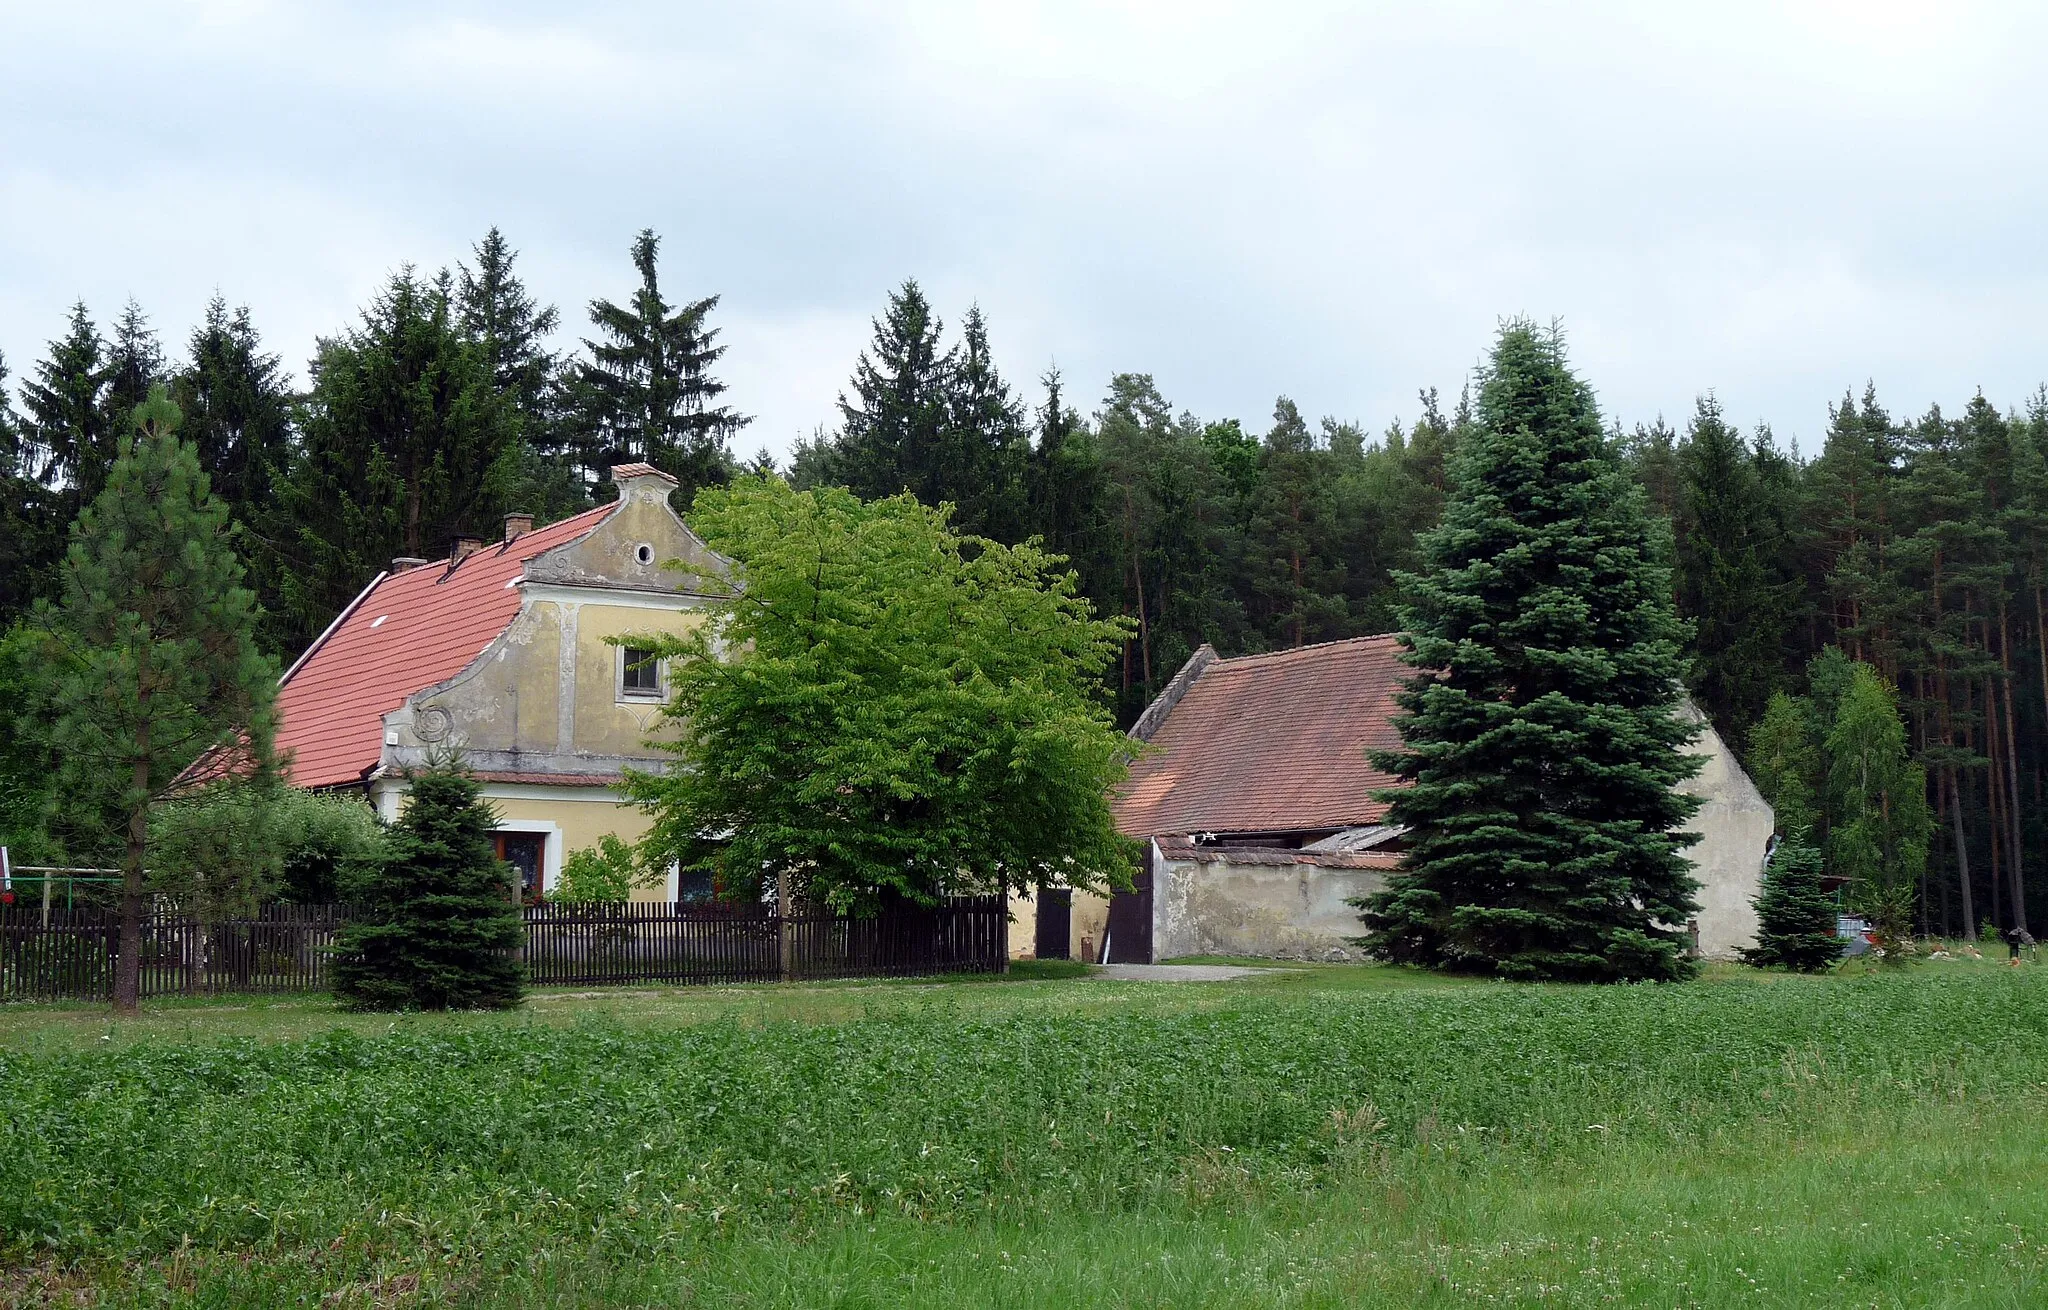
[
  {"x": 1725, "y": 577},
  {"x": 1542, "y": 743},
  {"x": 895, "y": 424},
  {"x": 135, "y": 363},
  {"x": 983, "y": 451},
  {"x": 1785, "y": 762},
  {"x": 441, "y": 921},
  {"x": 1297, "y": 576},
  {"x": 404, "y": 441},
  {"x": 1850, "y": 514},
  {"x": 153, "y": 653},
  {"x": 237, "y": 401},
  {"x": 646, "y": 393},
  {"x": 70, "y": 442}
]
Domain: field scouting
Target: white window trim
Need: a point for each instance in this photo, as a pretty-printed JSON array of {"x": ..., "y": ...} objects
[
  {"x": 621, "y": 696},
  {"x": 550, "y": 849}
]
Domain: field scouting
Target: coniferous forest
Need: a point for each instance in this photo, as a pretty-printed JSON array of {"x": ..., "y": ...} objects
[{"x": 1905, "y": 556}]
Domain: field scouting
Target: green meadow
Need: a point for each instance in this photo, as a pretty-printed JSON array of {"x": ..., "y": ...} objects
[{"x": 1328, "y": 1136}]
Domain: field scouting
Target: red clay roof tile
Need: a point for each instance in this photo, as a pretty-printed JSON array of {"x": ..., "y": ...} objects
[
  {"x": 412, "y": 630},
  {"x": 1272, "y": 743}
]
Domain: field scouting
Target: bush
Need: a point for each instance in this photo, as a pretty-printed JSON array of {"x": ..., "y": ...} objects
[
  {"x": 236, "y": 844},
  {"x": 608, "y": 871},
  {"x": 439, "y": 921}
]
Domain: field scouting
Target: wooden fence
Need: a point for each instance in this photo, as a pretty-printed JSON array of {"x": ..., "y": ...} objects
[{"x": 289, "y": 948}]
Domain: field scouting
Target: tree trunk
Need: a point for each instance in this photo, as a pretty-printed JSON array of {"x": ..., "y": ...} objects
[
  {"x": 1994, "y": 808},
  {"x": 2016, "y": 882},
  {"x": 128, "y": 965},
  {"x": 1955, "y": 814}
]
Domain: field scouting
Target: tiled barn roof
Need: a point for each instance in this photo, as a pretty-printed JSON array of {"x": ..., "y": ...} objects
[
  {"x": 407, "y": 632},
  {"x": 1270, "y": 743}
]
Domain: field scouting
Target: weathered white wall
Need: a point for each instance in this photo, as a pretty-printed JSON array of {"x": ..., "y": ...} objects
[
  {"x": 1734, "y": 824},
  {"x": 1090, "y": 919},
  {"x": 1279, "y": 911}
]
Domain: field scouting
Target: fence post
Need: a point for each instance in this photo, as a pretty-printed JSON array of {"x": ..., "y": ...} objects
[{"x": 787, "y": 930}]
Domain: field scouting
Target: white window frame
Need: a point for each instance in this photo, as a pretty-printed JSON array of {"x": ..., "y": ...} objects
[
  {"x": 622, "y": 696},
  {"x": 550, "y": 847}
]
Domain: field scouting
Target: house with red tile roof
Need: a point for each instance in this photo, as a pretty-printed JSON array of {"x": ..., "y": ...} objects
[
  {"x": 516, "y": 655},
  {"x": 1258, "y": 807}
]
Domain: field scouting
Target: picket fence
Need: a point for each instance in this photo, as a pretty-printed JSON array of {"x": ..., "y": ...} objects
[{"x": 70, "y": 954}]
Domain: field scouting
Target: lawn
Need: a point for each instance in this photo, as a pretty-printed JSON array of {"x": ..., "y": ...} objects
[{"x": 1329, "y": 1136}]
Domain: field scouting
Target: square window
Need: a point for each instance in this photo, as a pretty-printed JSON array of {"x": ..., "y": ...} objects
[{"x": 639, "y": 674}]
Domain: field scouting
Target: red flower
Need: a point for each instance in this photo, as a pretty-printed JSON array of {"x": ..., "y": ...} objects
[{"x": 6, "y": 898}]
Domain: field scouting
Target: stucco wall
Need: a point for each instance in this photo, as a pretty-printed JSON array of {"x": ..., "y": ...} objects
[
  {"x": 1735, "y": 824},
  {"x": 1279, "y": 911},
  {"x": 572, "y": 819}
]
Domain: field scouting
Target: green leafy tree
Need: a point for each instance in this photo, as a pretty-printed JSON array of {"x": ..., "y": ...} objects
[
  {"x": 606, "y": 872},
  {"x": 233, "y": 845},
  {"x": 1882, "y": 824},
  {"x": 1795, "y": 913},
  {"x": 153, "y": 650},
  {"x": 1542, "y": 744},
  {"x": 900, "y": 711},
  {"x": 1785, "y": 762},
  {"x": 646, "y": 393},
  {"x": 439, "y": 923}
]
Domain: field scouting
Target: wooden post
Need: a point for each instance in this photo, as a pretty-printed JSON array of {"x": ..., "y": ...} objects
[{"x": 787, "y": 929}]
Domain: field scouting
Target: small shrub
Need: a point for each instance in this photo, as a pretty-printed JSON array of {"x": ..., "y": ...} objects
[
  {"x": 1795, "y": 915},
  {"x": 439, "y": 923}
]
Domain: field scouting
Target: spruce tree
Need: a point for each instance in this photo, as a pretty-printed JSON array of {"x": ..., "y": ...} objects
[
  {"x": 1725, "y": 581},
  {"x": 440, "y": 922},
  {"x": 646, "y": 393},
  {"x": 153, "y": 657},
  {"x": 1795, "y": 915},
  {"x": 237, "y": 401},
  {"x": 980, "y": 468},
  {"x": 1541, "y": 739},
  {"x": 894, "y": 425},
  {"x": 69, "y": 441},
  {"x": 404, "y": 445},
  {"x": 135, "y": 364}
]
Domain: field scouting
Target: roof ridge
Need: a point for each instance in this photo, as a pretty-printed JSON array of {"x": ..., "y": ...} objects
[
  {"x": 1302, "y": 651},
  {"x": 607, "y": 507}
]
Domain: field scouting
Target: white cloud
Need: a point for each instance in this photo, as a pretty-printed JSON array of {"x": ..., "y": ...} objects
[{"x": 1773, "y": 200}]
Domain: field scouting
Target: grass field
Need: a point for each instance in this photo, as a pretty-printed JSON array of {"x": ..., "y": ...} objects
[{"x": 1330, "y": 1136}]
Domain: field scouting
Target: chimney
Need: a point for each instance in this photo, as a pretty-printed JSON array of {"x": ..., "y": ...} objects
[
  {"x": 464, "y": 548},
  {"x": 400, "y": 563},
  {"x": 642, "y": 482},
  {"x": 517, "y": 526}
]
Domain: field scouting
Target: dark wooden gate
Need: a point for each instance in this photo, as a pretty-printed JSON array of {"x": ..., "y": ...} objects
[
  {"x": 1055, "y": 937},
  {"x": 1130, "y": 921}
]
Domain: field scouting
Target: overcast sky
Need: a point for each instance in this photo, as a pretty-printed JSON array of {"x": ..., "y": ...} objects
[{"x": 1773, "y": 200}]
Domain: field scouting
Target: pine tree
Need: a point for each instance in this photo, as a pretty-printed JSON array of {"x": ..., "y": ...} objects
[
  {"x": 646, "y": 393},
  {"x": 405, "y": 440},
  {"x": 153, "y": 651},
  {"x": 1295, "y": 578},
  {"x": 441, "y": 921},
  {"x": 1725, "y": 582},
  {"x": 1542, "y": 743},
  {"x": 1795, "y": 915},
  {"x": 1850, "y": 513},
  {"x": 895, "y": 424},
  {"x": 25, "y": 554},
  {"x": 1062, "y": 472}
]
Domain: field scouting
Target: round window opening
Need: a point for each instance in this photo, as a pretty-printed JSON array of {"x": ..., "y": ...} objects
[{"x": 644, "y": 553}]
